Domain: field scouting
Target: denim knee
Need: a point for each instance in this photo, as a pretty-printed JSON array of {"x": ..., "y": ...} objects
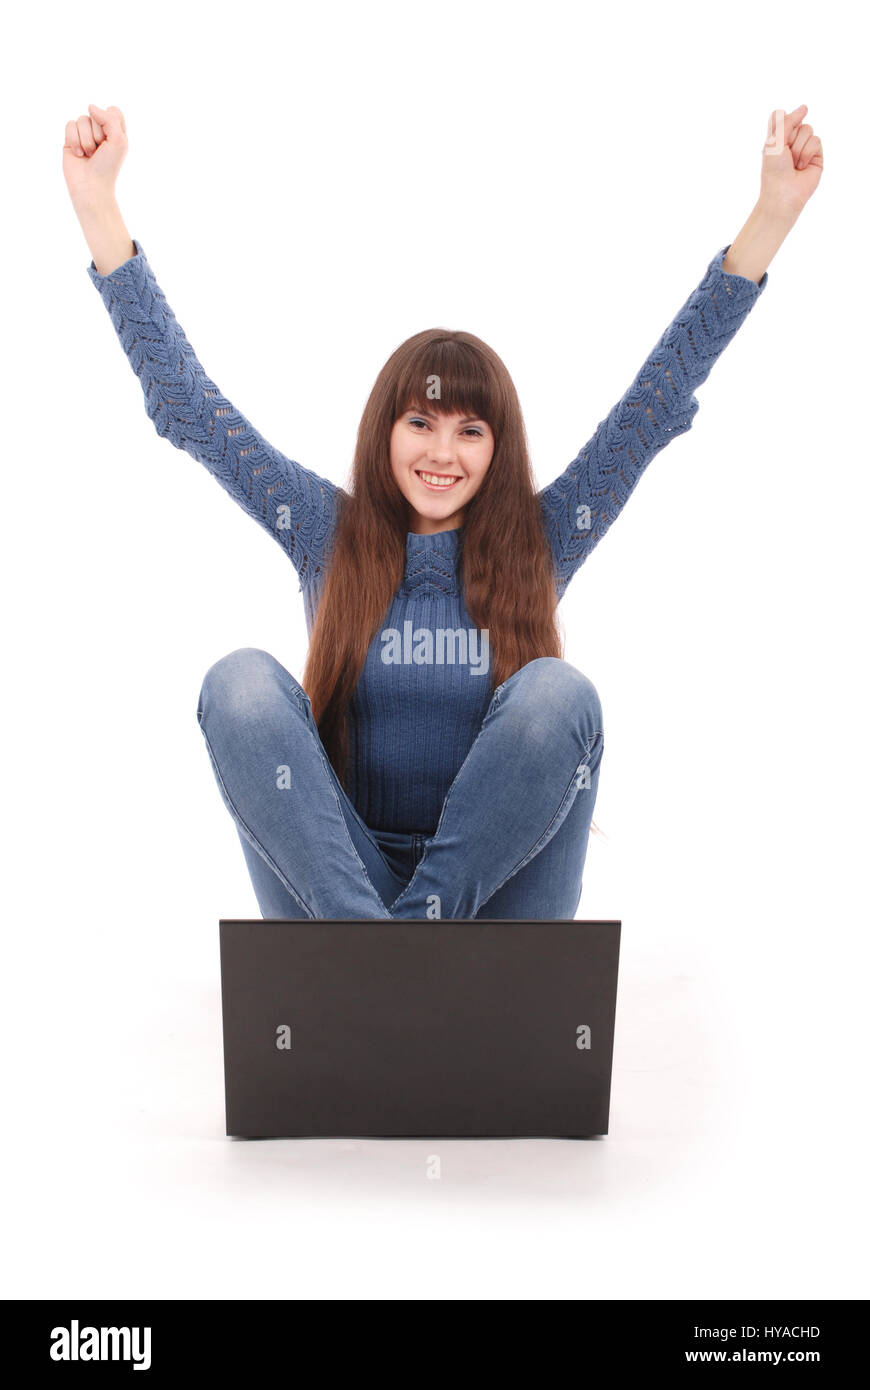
[
  {"x": 550, "y": 690},
  {"x": 237, "y": 684}
]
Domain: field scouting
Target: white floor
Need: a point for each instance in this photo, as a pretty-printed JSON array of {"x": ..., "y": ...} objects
[{"x": 734, "y": 1166}]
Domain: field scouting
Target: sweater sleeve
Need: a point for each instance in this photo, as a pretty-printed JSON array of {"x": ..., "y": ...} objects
[
  {"x": 296, "y": 506},
  {"x": 660, "y": 404}
]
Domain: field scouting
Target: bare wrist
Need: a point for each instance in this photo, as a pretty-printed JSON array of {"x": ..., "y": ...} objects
[
  {"x": 96, "y": 205},
  {"x": 775, "y": 212},
  {"x": 105, "y": 232}
]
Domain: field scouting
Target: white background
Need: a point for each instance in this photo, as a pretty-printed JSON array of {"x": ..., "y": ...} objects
[{"x": 312, "y": 185}]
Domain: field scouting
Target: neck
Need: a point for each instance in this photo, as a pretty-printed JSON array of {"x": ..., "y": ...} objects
[{"x": 425, "y": 526}]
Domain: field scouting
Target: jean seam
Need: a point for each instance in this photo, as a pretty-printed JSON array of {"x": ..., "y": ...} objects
[
  {"x": 330, "y": 770},
  {"x": 301, "y": 699},
  {"x": 369, "y": 834},
  {"x": 326, "y": 766},
  {"x": 544, "y": 839},
  {"x": 548, "y": 833},
  {"x": 538, "y": 845},
  {"x": 263, "y": 853}
]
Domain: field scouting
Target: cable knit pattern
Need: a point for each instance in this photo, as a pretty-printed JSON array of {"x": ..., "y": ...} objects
[
  {"x": 430, "y": 570},
  {"x": 414, "y": 719},
  {"x": 293, "y": 504},
  {"x": 659, "y": 405}
]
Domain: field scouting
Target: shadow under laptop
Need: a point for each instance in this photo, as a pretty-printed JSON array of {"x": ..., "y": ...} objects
[{"x": 665, "y": 1108}]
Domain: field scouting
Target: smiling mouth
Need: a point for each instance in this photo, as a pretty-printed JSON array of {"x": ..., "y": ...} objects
[{"x": 438, "y": 482}]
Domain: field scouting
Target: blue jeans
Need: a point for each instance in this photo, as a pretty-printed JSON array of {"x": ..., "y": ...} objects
[{"x": 513, "y": 831}]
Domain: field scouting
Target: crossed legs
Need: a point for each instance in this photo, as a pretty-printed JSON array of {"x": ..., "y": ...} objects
[{"x": 513, "y": 832}]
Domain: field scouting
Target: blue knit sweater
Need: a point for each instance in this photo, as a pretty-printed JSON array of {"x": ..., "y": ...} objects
[{"x": 417, "y": 709}]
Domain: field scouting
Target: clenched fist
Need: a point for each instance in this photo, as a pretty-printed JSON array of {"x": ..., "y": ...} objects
[{"x": 94, "y": 150}]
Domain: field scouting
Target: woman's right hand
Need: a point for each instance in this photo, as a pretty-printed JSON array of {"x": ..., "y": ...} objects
[{"x": 94, "y": 150}]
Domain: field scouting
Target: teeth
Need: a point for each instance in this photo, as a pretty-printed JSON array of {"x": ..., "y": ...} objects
[{"x": 435, "y": 481}]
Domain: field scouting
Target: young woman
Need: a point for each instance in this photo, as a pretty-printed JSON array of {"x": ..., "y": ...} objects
[{"x": 439, "y": 757}]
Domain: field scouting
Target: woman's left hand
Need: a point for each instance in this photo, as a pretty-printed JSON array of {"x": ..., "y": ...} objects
[{"x": 791, "y": 163}]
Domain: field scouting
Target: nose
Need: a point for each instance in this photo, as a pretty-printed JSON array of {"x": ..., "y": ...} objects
[{"x": 441, "y": 449}]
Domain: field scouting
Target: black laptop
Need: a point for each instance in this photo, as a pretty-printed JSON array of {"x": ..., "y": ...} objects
[{"x": 464, "y": 1029}]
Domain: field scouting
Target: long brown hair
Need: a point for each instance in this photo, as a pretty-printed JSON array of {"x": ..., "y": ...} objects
[{"x": 506, "y": 566}]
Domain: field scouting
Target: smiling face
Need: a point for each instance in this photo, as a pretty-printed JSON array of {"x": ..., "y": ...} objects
[{"x": 439, "y": 462}]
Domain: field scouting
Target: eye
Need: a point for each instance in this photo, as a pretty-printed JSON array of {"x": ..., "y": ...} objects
[{"x": 473, "y": 430}]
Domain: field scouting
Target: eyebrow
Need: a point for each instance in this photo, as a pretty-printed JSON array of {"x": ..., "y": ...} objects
[{"x": 466, "y": 419}]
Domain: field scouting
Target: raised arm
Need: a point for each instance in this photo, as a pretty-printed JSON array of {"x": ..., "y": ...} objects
[
  {"x": 660, "y": 404},
  {"x": 294, "y": 504}
]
